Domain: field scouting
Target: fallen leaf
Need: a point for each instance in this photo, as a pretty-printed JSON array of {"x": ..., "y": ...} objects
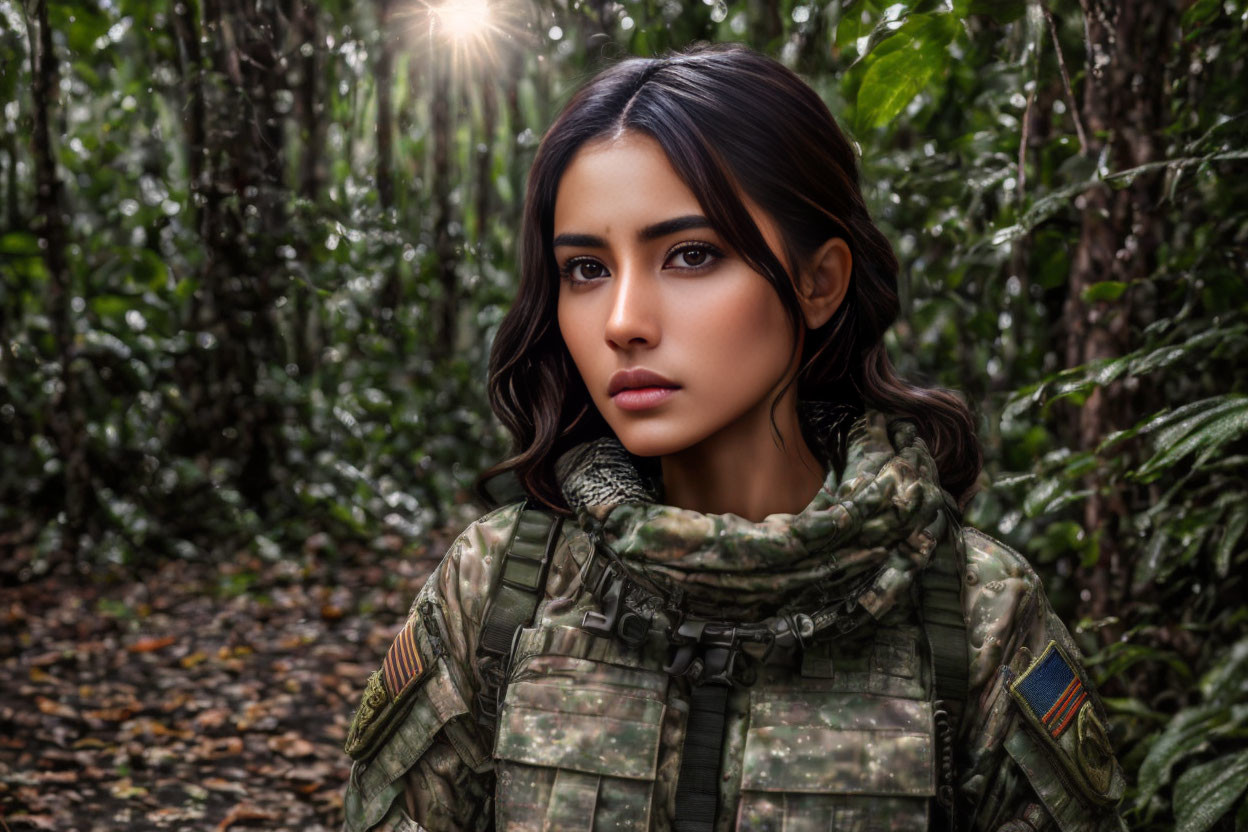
[
  {"x": 125, "y": 788},
  {"x": 212, "y": 718},
  {"x": 198, "y": 657},
  {"x": 291, "y": 745},
  {"x": 210, "y": 748},
  {"x": 220, "y": 784},
  {"x": 245, "y": 812},
  {"x": 147, "y": 645},
  {"x": 54, "y": 708},
  {"x": 37, "y": 821},
  {"x": 110, "y": 714}
]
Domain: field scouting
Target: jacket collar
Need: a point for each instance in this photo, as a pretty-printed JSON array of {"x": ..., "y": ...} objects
[{"x": 864, "y": 536}]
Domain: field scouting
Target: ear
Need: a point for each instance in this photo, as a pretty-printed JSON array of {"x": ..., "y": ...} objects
[{"x": 824, "y": 282}]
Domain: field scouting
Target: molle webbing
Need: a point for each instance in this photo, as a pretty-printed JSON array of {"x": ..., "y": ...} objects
[
  {"x": 514, "y": 599},
  {"x": 697, "y": 790},
  {"x": 940, "y": 604},
  {"x": 940, "y": 586}
]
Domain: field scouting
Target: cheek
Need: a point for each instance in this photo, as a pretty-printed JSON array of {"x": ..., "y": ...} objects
[
  {"x": 745, "y": 331},
  {"x": 576, "y": 332}
]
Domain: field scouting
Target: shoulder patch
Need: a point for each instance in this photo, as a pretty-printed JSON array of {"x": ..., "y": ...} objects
[
  {"x": 403, "y": 662},
  {"x": 1050, "y": 691},
  {"x": 388, "y": 690},
  {"x": 1053, "y": 698}
]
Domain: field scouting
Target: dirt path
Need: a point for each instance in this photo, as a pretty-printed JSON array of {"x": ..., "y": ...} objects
[{"x": 198, "y": 697}]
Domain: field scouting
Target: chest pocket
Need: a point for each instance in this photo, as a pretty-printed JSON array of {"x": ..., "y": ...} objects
[
  {"x": 577, "y": 746},
  {"x": 854, "y": 750}
]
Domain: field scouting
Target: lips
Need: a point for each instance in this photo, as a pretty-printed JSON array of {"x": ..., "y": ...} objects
[{"x": 637, "y": 378}]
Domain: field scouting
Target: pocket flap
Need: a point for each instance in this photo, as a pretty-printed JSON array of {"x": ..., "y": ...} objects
[
  {"x": 839, "y": 743},
  {"x": 596, "y": 730}
]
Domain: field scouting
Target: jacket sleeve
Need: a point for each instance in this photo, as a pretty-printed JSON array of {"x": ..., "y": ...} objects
[
  {"x": 1036, "y": 755},
  {"x": 419, "y": 760}
]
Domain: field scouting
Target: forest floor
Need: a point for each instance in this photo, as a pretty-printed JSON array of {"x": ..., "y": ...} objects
[{"x": 199, "y": 696}]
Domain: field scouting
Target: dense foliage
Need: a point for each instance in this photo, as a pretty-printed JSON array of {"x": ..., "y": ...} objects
[{"x": 252, "y": 256}]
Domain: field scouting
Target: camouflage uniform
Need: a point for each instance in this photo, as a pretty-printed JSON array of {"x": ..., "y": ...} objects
[{"x": 837, "y": 732}]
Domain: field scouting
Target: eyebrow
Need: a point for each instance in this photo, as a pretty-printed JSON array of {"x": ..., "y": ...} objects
[{"x": 650, "y": 232}]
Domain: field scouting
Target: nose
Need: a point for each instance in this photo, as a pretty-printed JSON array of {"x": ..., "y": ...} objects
[{"x": 633, "y": 319}]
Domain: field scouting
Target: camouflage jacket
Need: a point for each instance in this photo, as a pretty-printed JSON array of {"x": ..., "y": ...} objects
[{"x": 837, "y": 732}]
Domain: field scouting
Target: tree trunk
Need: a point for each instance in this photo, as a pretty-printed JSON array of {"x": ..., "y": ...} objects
[
  {"x": 309, "y": 105},
  {"x": 385, "y": 109},
  {"x": 1123, "y": 102},
  {"x": 392, "y": 290},
  {"x": 444, "y": 245},
  {"x": 243, "y": 272},
  {"x": 515, "y": 123},
  {"x": 67, "y": 417},
  {"x": 13, "y": 208},
  {"x": 485, "y": 165},
  {"x": 309, "y": 110}
]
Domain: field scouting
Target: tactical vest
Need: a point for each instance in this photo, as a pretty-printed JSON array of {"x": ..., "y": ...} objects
[{"x": 600, "y": 723}]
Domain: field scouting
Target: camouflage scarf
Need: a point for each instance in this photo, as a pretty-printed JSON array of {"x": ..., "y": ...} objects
[{"x": 864, "y": 536}]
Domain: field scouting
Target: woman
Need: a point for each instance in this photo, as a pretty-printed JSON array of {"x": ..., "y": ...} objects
[{"x": 733, "y": 592}]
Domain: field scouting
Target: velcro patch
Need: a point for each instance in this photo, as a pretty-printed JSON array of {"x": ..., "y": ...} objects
[
  {"x": 1057, "y": 707},
  {"x": 1051, "y": 691},
  {"x": 403, "y": 663}
]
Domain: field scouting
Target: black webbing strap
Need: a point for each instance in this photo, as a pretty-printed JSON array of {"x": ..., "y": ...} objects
[
  {"x": 697, "y": 790},
  {"x": 513, "y": 600},
  {"x": 940, "y": 587},
  {"x": 940, "y": 592}
]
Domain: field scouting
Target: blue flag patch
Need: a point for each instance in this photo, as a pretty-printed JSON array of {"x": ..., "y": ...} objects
[{"x": 1051, "y": 690}]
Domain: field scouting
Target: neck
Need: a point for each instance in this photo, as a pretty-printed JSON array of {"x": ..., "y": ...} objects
[{"x": 743, "y": 470}]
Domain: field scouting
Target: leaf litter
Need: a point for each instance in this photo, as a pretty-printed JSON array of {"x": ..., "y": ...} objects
[{"x": 165, "y": 701}]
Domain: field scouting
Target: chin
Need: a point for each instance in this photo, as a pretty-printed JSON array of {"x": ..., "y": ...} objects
[{"x": 652, "y": 440}]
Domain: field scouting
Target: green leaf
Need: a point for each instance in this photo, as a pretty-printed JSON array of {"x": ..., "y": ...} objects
[
  {"x": 1235, "y": 526},
  {"x": 1205, "y": 792},
  {"x": 908, "y": 61},
  {"x": 1202, "y": 11},
  {"x": 1186, "y": 733},
  {"x": 1105, "y": 290},
  {"x": 1045, "y": 492},
  {"x": 1206, "y": 434},
  {"x": 19, "y": 244},
  {"x": 1225, "y": 682}
]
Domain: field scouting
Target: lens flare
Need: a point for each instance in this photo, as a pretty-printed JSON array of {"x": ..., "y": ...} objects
[{"x": 464, "y": 19}]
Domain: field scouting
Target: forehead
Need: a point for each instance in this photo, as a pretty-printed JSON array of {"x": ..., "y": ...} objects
[
  {"x": 613, "y": 187},
  {"x": 620, "y": 183}
]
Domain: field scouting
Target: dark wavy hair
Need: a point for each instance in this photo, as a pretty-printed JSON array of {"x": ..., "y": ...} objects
[{"x": 730, "y": 120}]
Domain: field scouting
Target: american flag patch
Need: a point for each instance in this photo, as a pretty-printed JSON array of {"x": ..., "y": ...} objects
[
  {"x": 402, "y": 663},
  {"x": 1051, "y": 690}
]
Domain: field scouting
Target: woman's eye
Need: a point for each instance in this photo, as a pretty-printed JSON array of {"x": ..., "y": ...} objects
[
  {"x": 694, "y": 257},
  {"x": 589, "y": 270}
]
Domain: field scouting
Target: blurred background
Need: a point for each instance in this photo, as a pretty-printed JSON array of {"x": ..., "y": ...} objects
[{"x": 253, "y": 255}]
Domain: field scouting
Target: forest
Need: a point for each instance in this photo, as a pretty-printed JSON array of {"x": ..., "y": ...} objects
[{"x": 253, "y": 256}]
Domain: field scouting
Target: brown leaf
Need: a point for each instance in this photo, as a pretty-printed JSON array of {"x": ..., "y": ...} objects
[
  {"x": 54, "y": 708},
  {"x": 291, "y": 745},
  {"x": 147, "y": 645},
  {"x": 125, "y": 788},
  {"x": 37, "y": 821},
  {"x": 211, "y": 749},
  {"x": 111, "y": 714},
  {"x": 212, "y": 718},
  {"x": 193, "y": 659},
  {"x": 245, "y": 812},
  {"x": 220, "y": 784}
]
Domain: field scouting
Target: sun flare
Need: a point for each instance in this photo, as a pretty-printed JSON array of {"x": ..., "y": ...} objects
[{"x": 464, "y": 19}]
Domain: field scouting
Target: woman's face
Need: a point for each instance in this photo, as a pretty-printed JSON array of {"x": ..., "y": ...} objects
[{"x": 647, "y": 284}]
